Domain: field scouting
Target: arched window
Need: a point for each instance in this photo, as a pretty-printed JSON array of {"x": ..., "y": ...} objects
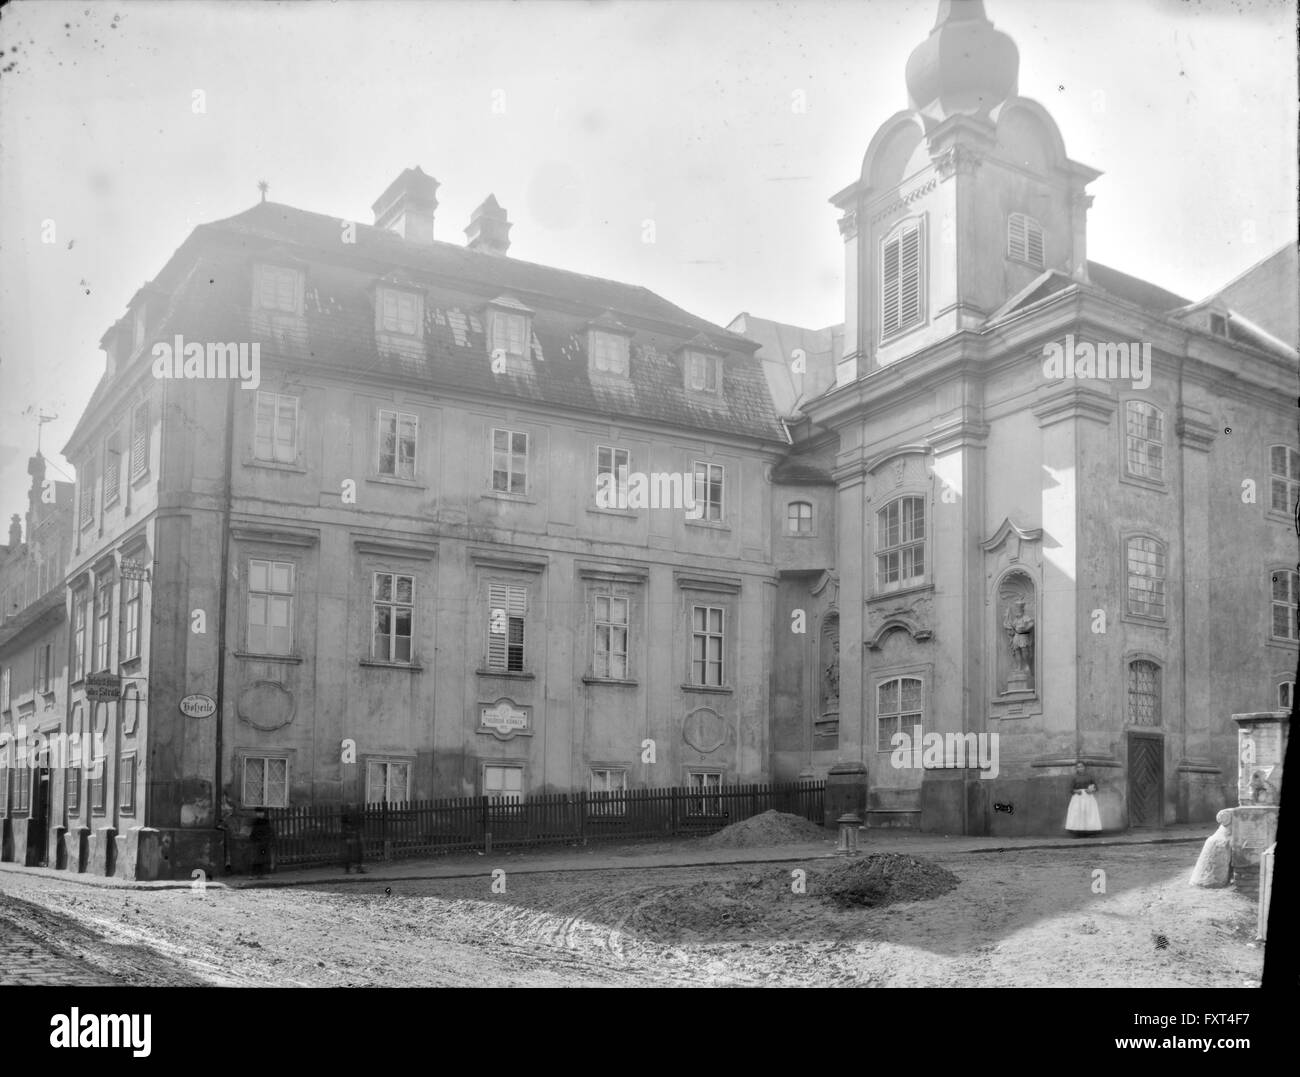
[
  {"x": 1144, "y": 440},
  {"x": 1146, "y": 577},
  {"x": 900, "y": 708},
  {"x": 1144, "y": 693},
  {"x": 900, "y": 544},
  {"x": 1286, "y": 586},
  {"x": 799, "y": 517},
  {"x": 1025, "y": 240},
  {"x": 1285, "y": 695},
  {"x": 902, "y": 276}
]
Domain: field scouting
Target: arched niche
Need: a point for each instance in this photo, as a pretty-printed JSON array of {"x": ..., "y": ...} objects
[{"x": 1016, "y": 633}]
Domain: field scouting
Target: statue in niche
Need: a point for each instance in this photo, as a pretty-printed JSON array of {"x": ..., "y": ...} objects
[{"x": 1019, "y": 626}]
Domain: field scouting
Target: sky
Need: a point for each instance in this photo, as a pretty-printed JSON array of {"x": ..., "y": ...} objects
[{"x": 724, "y": 124}]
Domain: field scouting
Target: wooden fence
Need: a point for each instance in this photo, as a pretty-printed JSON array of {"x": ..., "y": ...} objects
[{"x": 313, "y": 835}]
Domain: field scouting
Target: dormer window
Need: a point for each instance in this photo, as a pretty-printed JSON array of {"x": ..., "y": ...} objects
[
  {"x": 609, "y": 352},
  {"x": 509, "y": 333},
  {"x": 278, "y": 288},
  {"x": 703, "y": 372},
  {"x": 400, "y": 312},
  {"x": 1218, "y": 325},
  {"x": 1025, "y": 240}
]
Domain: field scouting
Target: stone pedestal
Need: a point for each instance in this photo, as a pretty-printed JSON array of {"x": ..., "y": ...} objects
[{"x": 846, "y": 792}]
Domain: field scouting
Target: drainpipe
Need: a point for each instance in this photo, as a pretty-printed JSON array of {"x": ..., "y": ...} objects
[{"x": 223, "y": 592}]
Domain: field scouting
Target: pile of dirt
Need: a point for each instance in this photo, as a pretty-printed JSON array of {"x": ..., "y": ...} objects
[
  {"x": 883, "y": 879},
  {"x": 770, "y": 828}
]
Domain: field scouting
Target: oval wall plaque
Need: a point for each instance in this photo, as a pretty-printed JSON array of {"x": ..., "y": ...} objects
[
  {"x": 266, "y": 705},
  {"x": 198, "y": 706}
]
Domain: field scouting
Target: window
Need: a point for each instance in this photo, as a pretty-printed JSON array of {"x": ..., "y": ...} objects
[
  {"x": 509, "y": 461},
  {"x": 394, "y": 600},
  {"x": 140, "y": 440},
  {"x": 5, "y": 685},
  {"x": 703, "y": 372},
  {"x": 97, "y": 789},
  {"x": 900, "y": 544},
  {"x": 88, "y": 494},
  {"x": 132, "y": 599},
  {"x": 266, "y": 781},
  {"x": 80, "y": 644},
  {"x": 44, "y": 666},
  {"x": 397, "y": 436},
  {"x": 708, "y": 492},
  {"x": 278, "y": 289},
  {"x": 503, "y": 781},
  {"x": 399, "y": 312},
  {"x": 1284, "y": 604},
  {"x": 387, "y": 782},
  {"x": 103, "y": 625},
  {"x": 706, "y": 645},
  {"x": 276, "y": 436},
  {"x": 1285, "y": 694},
  {"x": 899, "y": 709},
  {"x": 509, "y": 334},
  {"x": 608, "y": 352},
  {"x": 1284, "y": 466},
  {"x": 112, "y": 468},
  {"x": 607, "y": 785},
  {"x": 126, "y": 783},
  {"x": 611, "y": 637},
  {"x": 5, "y": 782},
  {"x": 1146, "y": 577},
  {"x": 1144, "y": 440},
  {"x": 270, "y": 607},
  {"x": 72, "y": 788},
  {"x": 799, "y": 518},
  {"x": 507, "y": 604},
  {"x": 1025, "y": 240},
  {"x": 900, "y": 280},
  {"x": 23, "y": 779},
  {"x": 706, "y": 789},
  {"x": 1143, "y": 693},
  {"x": 617, "y": 464},
  {"x": 1218, "y": 325}
]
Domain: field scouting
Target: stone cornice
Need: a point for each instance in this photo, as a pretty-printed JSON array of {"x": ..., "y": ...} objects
[
  {"x": 416, "y": 551},
  {"x": 691, "y": 581},
  {"x": 1075, "y": 402},
  {"x": 903, "y": 201},
  {"x": 508, "y": 560},
  {"x": 960, "y": 433},
  {"x": 277, "y": 535},
  {"x": 849, "y": 225},
  {"x": 1194, "y": 434}
]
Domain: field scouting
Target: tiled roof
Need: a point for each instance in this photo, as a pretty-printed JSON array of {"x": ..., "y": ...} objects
[
  {"x": 1139, "y": 292},
  {"x": 338, "y": 327}
]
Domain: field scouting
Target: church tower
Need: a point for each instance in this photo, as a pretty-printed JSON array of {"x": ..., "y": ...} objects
[{"x": 965, "y": 198}]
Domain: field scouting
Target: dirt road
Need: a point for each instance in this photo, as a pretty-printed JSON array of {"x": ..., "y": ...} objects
[{"x": 1029, "y": 919}]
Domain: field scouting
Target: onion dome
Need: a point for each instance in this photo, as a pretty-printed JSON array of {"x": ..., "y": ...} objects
[{"x": 964, "y": 66}]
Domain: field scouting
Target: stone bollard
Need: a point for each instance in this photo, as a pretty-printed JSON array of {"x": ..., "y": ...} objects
[
  {"x": 1214, "y": 865},
  {"x": 1265, "y": 889},
  {"x": 849, "y": 823}
]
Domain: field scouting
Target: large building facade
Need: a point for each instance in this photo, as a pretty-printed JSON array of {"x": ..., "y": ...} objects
[{"x": 464, "y": 525}]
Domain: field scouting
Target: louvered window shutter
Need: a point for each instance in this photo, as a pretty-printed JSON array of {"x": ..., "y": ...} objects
[
  {"x": 889, "y": 290},
  {"x": 505, "y": 604},
  {"x": 909, "y": 289},
  {"x": 1016, "y": 237},
  {"x": 1034, "y": 244}
]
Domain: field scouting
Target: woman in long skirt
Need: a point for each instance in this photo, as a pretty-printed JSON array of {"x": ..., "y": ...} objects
[{"x": 1083, "y": 819}]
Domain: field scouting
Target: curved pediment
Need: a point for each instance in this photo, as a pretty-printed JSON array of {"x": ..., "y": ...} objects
[
  {"x": 1008, "y": 530},
  {"x": 899, "y": 622}
]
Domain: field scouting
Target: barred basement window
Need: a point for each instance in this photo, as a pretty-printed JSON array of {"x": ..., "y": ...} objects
[
  {"x": 606, "y": 785},
  {"x": 706, "y": 787},
  {"x": 899, "y": 709},
  {"x": 387, "y": 782},
  {"x": 266, "y": 781},
  {"x": 1144, "y": 693},
  {"x": 1146, "y": 577},
  {"x": 901, "y": 278},
  {"x": 504, "y": 782},
  {"x": 1144, "y": 440},
  {"x": 1025, "y": 240},
  {"x": 507, "y": 604}
]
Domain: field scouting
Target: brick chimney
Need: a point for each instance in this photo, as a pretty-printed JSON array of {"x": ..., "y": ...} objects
[
  {"x": 407, "y": 206},
  {"x": 488, "y": 228}
]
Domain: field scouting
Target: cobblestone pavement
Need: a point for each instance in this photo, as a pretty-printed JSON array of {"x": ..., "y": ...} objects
[
  {"x": 26, "y": 958},
  {"x": 45, "y": 947}
]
